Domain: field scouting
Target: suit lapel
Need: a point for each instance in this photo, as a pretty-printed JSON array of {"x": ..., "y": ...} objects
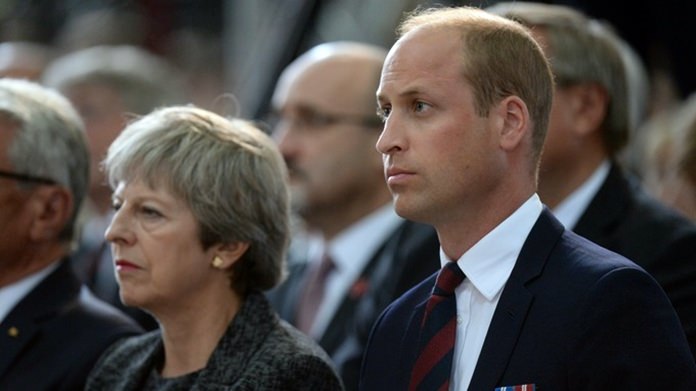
[
  {"x": 23, "y": 323},
  {"x": 338, "y": 328},
  {"x": 606, "y": 209},
  {"x": 284, "y": 297},
  {"x": 515, "y": 301}
]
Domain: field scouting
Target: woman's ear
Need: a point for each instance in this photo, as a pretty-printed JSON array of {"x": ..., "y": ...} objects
[
  {"x": 514, "y": 122},
  {"x": 228, "y": 254}
]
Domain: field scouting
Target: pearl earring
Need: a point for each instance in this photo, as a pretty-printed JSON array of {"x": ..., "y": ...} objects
[{"x": 217, "y": 262}]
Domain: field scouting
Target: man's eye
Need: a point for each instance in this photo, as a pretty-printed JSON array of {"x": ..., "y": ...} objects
[
  {"x": 383, "y": 112},
  {"x": 420, "y": 106}
]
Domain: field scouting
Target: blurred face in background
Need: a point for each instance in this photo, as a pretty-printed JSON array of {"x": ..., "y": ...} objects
[
  {"x": 103, "y": 112},
  {"x": 13, "y": 219},
  {"x": 326, "y": 131}
]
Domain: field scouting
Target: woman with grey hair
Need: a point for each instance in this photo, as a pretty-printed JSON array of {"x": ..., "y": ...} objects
[{"x": 199, "y": 231}]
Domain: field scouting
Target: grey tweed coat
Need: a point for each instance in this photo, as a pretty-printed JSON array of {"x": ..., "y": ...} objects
[{"x": 258, "y": 352}]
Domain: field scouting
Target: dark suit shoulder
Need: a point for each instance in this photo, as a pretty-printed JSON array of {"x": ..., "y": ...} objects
[
  {"x": 624, "y": 218},
  {"x": 63, "y": 329}
]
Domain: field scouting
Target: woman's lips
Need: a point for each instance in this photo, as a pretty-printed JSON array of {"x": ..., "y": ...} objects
[{"x": 122, "y": 265}]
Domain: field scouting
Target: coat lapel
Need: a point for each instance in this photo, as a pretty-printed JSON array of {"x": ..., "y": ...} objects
[
  {"x": 284, "y": 297},
  {"x": 515, "y": 301},
  {"x": 23, "y": 323},
  {"x": 606, "y": 210},
  {"x": 237, "y": 347}
]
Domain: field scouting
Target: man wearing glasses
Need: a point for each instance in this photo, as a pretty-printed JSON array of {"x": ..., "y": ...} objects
[
  {"x": 360, "y": 255},
  {"x": 52, "y": 330}
]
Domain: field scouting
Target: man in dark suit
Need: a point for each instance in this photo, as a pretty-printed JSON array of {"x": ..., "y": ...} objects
[
  {"x": 326, "y": 131},
  {"x": 52, "y": 329},
  {"x": 519, "y": 301},
  {"x": 108, "y": 85},
  {"x": 580, "y": 178}
]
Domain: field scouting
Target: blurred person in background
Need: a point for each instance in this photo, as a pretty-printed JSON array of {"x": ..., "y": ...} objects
[
  {"x": 360, "y": 255},
  {"x": 580, "y": 177},
  {"x": 200, "y": 229},
  {"x": 108, "y": 85},
  {"x": 24, "y": 60},
  {"x": 52, "y": 329},
  {"x": 668, "y": 157}
]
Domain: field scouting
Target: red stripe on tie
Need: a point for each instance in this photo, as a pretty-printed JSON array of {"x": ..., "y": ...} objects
[
  {"x": 434, "y": 351},
  {"x": 433, "y": 366}
]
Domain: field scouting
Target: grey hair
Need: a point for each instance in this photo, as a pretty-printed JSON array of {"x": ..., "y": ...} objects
[
  {"x": 143, "y": 80},
  {"x": 228, "y": 172},
  {"x": 581, "y": 49},
  {"x": 50, "y": 141}
]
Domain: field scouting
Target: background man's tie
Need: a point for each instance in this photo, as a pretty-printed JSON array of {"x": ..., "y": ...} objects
[
  {"x": 433, "y": 366},
  {"x": 313, "y": 293}
]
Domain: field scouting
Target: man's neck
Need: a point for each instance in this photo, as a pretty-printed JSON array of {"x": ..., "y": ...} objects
[
  {"x": 556, "y": 184},
  {"x": 27, "y": 264}
]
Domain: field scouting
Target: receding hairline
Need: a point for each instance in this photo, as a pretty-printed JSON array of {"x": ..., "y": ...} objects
[{"x": 458, "y": 18}]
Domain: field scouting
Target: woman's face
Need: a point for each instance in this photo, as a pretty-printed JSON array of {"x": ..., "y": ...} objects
[{"x": 157, "y": 253}]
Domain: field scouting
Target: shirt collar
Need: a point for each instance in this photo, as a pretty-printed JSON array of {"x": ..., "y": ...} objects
[
  {"x": 12, "y": 294},
  {"x": 351, "y": 249},
  {"x": 489, "y": 262},
  {"x": 568, "y": 212}
]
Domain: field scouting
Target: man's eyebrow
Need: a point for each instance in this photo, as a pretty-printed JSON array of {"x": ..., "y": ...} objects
[{"x": 406, "y": 93}]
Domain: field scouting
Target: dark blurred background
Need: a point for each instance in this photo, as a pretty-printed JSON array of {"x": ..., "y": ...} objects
[{"x": 239, "y": 46}]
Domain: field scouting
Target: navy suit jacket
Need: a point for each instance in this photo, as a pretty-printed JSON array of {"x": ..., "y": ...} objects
[
  {"x": 572, "y": 316},
  {"x": 59, "y": 331},
  {"x": 623, "y": 218}
]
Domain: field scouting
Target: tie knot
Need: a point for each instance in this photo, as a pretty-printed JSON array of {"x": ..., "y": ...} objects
[{"x": 448, "y": 279}]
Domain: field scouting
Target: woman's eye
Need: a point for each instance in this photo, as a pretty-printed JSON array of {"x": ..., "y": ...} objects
[{"x": 150, "y": 212}]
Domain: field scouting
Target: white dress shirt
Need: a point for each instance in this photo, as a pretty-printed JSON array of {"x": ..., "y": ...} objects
[
  {"x": 568, "y": 212},
  {"x": 350, "y": 251},
  {"x": 487, "y": 266},
  {"x": 12, "y": 294}
]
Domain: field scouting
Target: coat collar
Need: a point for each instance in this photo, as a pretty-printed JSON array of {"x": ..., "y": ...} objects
[
  {"x": 514, "y": 303},
  {"x": 247, "y": 331},
  {"x": 607, "y": 208}
]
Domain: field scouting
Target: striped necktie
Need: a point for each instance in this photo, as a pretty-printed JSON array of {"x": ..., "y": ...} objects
[{"x": 433, "y": 366}]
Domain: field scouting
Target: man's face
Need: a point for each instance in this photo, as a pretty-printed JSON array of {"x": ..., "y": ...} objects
[
  {"x": 325, "y": 135},
  {"x": 15, "y": 216},
  {"x": 102, "y": 110},
  {"x": 441, "y": 161}
]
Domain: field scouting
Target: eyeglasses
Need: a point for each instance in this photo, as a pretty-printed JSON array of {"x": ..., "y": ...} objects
[
  {"x": 312, "y": 119},
  {"x": 26, "y": 178}
]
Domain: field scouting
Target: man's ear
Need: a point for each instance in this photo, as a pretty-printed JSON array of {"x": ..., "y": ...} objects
[
  {"x": 590, "y": 105},
  {"x": 52, "y": 207},
  {"x": 229, "y": 254},
  {"x": 514, "y": 122}
]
